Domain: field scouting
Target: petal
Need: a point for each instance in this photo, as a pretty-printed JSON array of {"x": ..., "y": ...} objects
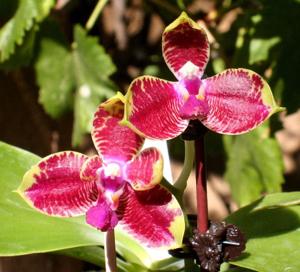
[
  {"x": 113, "y": 141},
  {"x": 146, "y": 170},
  {"x": 239, "y": 100},
  {"x": 185, "y": 47},
  {"x": 153, "y": 217},
  {"x": 102, "y": 216},
  {"x": 89, "y": 168},
  {"x": 54, "y": 187},
  {"x": 152, "y": 108}
]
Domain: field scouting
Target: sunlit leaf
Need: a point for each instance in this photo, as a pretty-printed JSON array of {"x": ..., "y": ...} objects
[
  {"x": 95, "y": 255},
  {"x": 254, "y": 165},
  {"x": 76, "y": 77},
  {"x": 272, "y": 232},
  {"x": 260, "y": 49},
  {"x": 27, "y": 13},
  {"x": 92, "y": 68},
  {"x": 269, "y": 34},
  {"x": 23, "y": 54},
  {"x": 54, "y": 71}
]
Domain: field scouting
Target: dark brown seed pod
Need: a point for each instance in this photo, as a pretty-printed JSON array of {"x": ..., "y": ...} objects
[{"x": 220, "y": 243}]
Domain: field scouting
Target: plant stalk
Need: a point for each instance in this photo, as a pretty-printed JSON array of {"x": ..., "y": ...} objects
[
  {"x": 110, "y": 251},
  {"x": 189, "y": 155},
  {"x": 95, "y": 14},
  {"x": 201, "y": 188}
]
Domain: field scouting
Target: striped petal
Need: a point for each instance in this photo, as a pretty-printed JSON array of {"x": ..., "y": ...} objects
[
  {"x": 146, "y": 170},
  {"x": 113, "y": 141},
  {"x": 90, "y": 167},
  {"x": 185, "y": 47},
  {"x": 54, "y": 187},
  {"x": 152, "y": 108},
  {"x": 239, "y": 100},
  {"x": 153, "y": 217}
]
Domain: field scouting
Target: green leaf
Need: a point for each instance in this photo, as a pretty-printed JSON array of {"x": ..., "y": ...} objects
[
  {"x": 272, "y": 229},
  {"x": 24, "y": 52},
  {"x": 54, "y": 71},
  {"x": 76, "y": 77},
  {"x": 260, "y": 48},
  {"x": 25, "y": 231},
  {"x": 92, "y": 70},
  {"x": 226, "y": 267},
  {"x": 94, "y": 61},
  {"x": 260, "y": 31},
  {"x": 254, "y": 165},
  {"x": 95, "y": 255},
  {"x": 27, "y": 13}
]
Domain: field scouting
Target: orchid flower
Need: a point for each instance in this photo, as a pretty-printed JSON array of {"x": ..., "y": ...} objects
[
  {"x": 232, "y": 102},
  {"x": 120, "y": 185}
]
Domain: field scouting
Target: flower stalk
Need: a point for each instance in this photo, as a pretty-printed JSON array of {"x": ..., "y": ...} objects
[
  {"x": 95, "y": 14},
  {"x": 110, "y": 251},
  {"x": 189, "y": 155},
  {"x": 201, "y": 186}
]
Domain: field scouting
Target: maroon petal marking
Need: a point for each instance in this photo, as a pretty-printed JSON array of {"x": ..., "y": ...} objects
[
  {"x": 185, "y": 41},
  {"x": 149, "y": 215},
  {"x": 102, "y": 216},
  {"x": 153, "y": 106},
  {"x": 113, "y": 141},
  {"x": 239, "y": 100},
  {"x": 90, "y": 167},
  {"x": 54, "y": 187},
  {"x": 146, "y": 170}
]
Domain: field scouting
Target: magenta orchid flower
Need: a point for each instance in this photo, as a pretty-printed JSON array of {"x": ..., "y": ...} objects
[
  {"x": 121, "y": 185},
  {"x": 232, "y": 102}
]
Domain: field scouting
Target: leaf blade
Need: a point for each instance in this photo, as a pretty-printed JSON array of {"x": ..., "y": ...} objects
[
  {"x": 28, "y": 12},
  {"x": 254, "y": 165}
]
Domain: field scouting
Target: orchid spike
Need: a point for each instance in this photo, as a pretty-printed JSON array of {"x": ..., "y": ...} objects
[
  {"x": 120, "y": 186},
  {"x": 232, "y": 102}
]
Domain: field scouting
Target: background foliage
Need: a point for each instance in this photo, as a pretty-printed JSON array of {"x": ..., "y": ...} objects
[{"x": 55, "y": 71}]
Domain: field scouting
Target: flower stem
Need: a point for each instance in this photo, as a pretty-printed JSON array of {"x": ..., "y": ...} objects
[
  {"x": 95, "y": 14},
  {"x": 202, "y": 218},
  {"x": 110, "y": 251},
  {"x": 189, "y": 154}
]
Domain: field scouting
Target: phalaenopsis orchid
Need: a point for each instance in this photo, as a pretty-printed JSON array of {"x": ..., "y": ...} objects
[
  {"x": 232, "y": 102},
  {"x": 120, "y": 186}
]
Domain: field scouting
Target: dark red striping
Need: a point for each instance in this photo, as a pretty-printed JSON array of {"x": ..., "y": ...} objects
[
  {"x": 58, "y": 189},
  {"x": 140, "y": 170},
  {"x": 112, "y": 140},
  {"x": 147, "y": 216},
  {"x": 90, "y": 168},
  {"x": 183, "y": 44},
  {"x": 156, "y": 106},
  {"x": 235, "y": 101}
]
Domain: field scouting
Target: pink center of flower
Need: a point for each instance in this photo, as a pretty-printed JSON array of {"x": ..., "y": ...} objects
[
  {"x": 195, "y": 106},
  {"x": 192, "y": 85},
  {"x": 190, "y": 81},
  {"x": 111, "y": 177}
]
